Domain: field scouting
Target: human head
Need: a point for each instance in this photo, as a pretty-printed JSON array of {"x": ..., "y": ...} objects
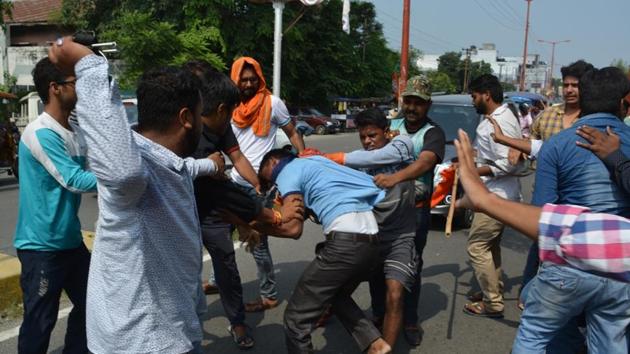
[
  {"x": 372, "y": 126},
  {"x": 486, "y": 91},
  {"x": 523, "y": 109},
  {"x": 54, "y": 87},
  {"x": 218, "y": 93},
  {"x": 169, "y": 104},
  {"x": 247, "y": 75},
  {"x": 571, "y": 75},
  {"x": 416, "y": 100},
  {"x": 603, "y": 91},
  {"x": 267, "y": 164}
]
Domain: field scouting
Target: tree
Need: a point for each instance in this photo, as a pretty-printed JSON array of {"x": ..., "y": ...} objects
[
  {"x": 621, "y": 64},
  {"x": 441, "y": 82},
  {"x": 449, "y": 63}
]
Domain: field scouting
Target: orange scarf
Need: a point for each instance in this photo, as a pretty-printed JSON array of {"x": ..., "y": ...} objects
[{"x": 257, "y": 111}]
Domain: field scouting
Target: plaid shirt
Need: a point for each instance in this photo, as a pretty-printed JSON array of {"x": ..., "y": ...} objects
[
  {"x": 548, "y": 123},
  {"x": 592, "y": 242}
]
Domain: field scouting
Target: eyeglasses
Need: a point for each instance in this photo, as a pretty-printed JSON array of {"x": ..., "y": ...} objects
[{"x": 64, "y": 82}]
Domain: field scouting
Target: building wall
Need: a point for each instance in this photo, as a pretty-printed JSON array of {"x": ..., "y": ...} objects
[{"x": 22, "y": 60}]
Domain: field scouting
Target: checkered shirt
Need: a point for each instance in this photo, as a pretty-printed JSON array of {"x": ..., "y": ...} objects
[
  {"x": 593, "y": 242},
  {"x": 548, "y": 123}
]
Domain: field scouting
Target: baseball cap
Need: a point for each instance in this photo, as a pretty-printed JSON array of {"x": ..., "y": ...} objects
[{"x": 418, "y": 86}]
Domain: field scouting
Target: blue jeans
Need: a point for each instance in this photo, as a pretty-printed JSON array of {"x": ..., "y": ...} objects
[
  {"x": 262, "y": 257},
  {"x": 558, "y": 294}
]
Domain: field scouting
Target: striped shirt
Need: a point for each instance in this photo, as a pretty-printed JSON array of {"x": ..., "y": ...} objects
[{"x": 593, "y": 242}]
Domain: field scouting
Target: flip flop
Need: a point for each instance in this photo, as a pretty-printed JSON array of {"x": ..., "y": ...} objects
[
  {"x": 475, "y": 297},
  {"x": 243, "y": 342},
  {"x": 479, "y": 310},
  {"x": 260, "y": 305}
]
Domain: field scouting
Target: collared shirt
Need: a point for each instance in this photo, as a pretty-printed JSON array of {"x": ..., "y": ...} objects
[
  {"x": 144, "y": 291},
  {"x": 569, "y": 174},
  {"x": 592, "y": 242},
  {"x": 548, "y": 123},
  {"x": 52, "y": 177},
  {"x": 501, "y": 183}
]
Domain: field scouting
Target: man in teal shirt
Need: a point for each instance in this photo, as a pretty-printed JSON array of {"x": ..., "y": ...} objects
[{"x": 48, "y": 233}]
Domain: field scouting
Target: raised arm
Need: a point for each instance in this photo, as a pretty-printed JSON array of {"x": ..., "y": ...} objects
[
  {"x": 399, "y": 150},
  {"x": 112, "y": 151}
]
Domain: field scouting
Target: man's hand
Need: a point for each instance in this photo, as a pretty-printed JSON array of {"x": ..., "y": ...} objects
[
  {"x": 601, "y": 144},
  {"x": 476, "y": 192},
  {"x": 498, "y": 135},
  {"x": 65, "y": 53},
  {"x": 385, "y": 181},
  {"x": 292, "y": 208},
  {"x": 219, "y": 161},
  {"x": 514, "y": 156},
  {"x": 391, "y": 134}
]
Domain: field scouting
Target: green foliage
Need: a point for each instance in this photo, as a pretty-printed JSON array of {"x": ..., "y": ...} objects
[
  {"x": 454, "y": 67},
  {"x": 621, "y": 64},
  {"x": 508, "y": 87},
  {"x": 441, "y": 82}
]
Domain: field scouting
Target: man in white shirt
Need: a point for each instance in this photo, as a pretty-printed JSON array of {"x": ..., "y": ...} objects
[
  {"x": 484, "y": 239},
  {"x": 255, "y": 122}
]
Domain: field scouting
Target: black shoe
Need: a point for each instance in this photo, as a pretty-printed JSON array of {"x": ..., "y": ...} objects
[{"x": 413, "y": 335}]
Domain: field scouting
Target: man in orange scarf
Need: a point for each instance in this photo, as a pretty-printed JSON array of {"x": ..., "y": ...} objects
[{"x": 255, "y": 123}]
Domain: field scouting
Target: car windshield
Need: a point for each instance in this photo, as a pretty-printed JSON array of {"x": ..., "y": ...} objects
[{"x": 451, "y": 118}]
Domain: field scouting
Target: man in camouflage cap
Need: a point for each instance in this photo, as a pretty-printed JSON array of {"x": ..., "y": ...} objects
[{"x": 428, "y": 140}]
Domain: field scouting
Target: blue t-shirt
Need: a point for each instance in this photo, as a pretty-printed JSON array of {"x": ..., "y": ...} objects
[{"x": 329, "y": 189}]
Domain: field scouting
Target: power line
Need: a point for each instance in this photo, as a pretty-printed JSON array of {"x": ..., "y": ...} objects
[
  {"x": 516, "y": 13},
  {"x": 424, "y": 33},
  {"x": 505, "y": 13},
  {"x": 429, "y": 41},
  {"x": 494, "y": 18}
]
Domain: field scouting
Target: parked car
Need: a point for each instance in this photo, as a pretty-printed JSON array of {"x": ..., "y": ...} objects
[
  {"x": 453, "y": 112},
  {"x": 282, "y": 140},
  {"x": 322, "y": 123}
]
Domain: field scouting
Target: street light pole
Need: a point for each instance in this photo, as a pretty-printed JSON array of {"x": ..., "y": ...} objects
[
  {"x": 404, "y": 50},
  {"x": 278, "y": 7},
  {"x": 553, "y": 57},
  {"x": 521, "y": 85}
]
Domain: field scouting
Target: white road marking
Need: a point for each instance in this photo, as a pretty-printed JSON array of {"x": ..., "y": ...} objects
[{"x": 63, "y": 313}]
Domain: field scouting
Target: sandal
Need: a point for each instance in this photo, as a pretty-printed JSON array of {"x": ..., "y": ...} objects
[
  {"x": 413, "y": 335},
  {"x": 479, "y": 309},
  {"x": 475, "y": 297},
  {"x": 243, "y": 342},
  {"x": 260, "y": 305}
]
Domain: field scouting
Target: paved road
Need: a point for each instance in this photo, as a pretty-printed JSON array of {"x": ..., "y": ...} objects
[{"x": 447, "y": 277}]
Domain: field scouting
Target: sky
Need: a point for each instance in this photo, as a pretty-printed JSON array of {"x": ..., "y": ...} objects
[{"x": 599, "y": 30}]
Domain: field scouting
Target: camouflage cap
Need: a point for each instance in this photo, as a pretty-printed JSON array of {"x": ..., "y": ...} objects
[{"x": 418, "y": 86}]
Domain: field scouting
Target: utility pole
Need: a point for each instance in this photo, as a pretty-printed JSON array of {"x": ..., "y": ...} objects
[
  {"x": 467, "y": 67},
  {"x": 553, "y": 57},
  {"x": 404, "y": 50},
  {"x": 521, "y": 85}
]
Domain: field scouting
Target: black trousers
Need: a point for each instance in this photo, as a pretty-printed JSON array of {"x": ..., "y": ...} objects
[
  {"x": 331, "y": 278},
  {"x": 44, "y": 275},
  {"x": 217, "y": 238}
]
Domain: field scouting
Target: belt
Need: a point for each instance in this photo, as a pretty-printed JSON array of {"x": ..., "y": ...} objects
[{"x": 355, "y": 237}]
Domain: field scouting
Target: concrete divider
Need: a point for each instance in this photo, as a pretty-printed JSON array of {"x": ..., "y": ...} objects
[{"x": 10, "y": 268}]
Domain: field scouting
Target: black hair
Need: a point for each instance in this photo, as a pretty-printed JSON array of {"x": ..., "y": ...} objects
[
  {"x": 216, "y": 88},
  {"x": 490, "y": 83},
  {"x": 277, "y": 154},
  {"x": 162, "y": 93},
  {"x": 601, "y": 91},
  {"x": 371, "y": 116},
  {"x": 44, "y": 73},
  {"x": 576, "y": 69}
]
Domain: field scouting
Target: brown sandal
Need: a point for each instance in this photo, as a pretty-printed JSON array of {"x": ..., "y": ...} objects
[
  {"x": 260, "y": 305},
  {"x": 479, "y": 309}
]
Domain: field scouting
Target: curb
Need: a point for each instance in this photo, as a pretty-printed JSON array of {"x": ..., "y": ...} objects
[{"x": 10, "y": 269}]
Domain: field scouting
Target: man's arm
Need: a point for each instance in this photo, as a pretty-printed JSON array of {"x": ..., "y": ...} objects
[
  {"x": 294, "y": 137},
  {"x": 607, "y": 148},
  {"x": 290, "y": 229},
  {"x": 244, "y": 168},
  {"x": 200, "y": 167},
  {"x": 399, "y": 150},
  {"x": 523, "y": 145},
  {"x": 55, "y": 158},
  {"x": 114, "y": 156},
  {"x": 522, "y": 217},
  {"x": 511, "y": 128}
]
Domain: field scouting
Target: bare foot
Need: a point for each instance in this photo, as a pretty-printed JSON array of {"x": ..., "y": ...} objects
[{"x": 379, "y": 346}]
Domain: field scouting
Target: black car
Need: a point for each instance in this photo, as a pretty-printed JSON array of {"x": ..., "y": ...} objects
[{"x": 451, "y": 113}]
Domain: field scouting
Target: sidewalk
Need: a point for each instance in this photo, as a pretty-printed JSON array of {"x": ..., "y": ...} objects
[{"x": 10, "y": 269}]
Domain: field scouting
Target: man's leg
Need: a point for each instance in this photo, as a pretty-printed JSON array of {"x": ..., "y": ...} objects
[
  {"x": 412, "y": 297},
  {"x": 394, "y": 313},
  {"x": 552, "y": 299},
  {"x": 339, "y": 266},
  {"x": 482, "y": 236},
  {"x": 41, "y": 281},
  {"x": 75, "y": 285},
  {"x": 378, "y": 290}
]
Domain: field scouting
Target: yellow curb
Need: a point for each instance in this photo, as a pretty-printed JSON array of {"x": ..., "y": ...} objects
[{"x": 10, "y": 268}]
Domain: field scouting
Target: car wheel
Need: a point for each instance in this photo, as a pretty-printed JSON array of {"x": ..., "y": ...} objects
[
  {"x": 464, "y": 218},
  {"x": 320, "y": 130}
]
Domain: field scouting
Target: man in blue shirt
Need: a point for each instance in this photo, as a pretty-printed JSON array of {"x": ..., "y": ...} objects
[
  {"x": 345, "y": 201},
  {"x": 48, "y": 232}
]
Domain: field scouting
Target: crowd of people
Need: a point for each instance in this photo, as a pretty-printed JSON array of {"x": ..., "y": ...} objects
[{"x": 163, "y": 196}]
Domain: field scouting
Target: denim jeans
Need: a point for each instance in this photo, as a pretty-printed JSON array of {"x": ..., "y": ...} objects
[
  {"x": 44, "y": 275},
  {"x": 558, "y": 294},
  {"x": 262, "y": 257}
]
